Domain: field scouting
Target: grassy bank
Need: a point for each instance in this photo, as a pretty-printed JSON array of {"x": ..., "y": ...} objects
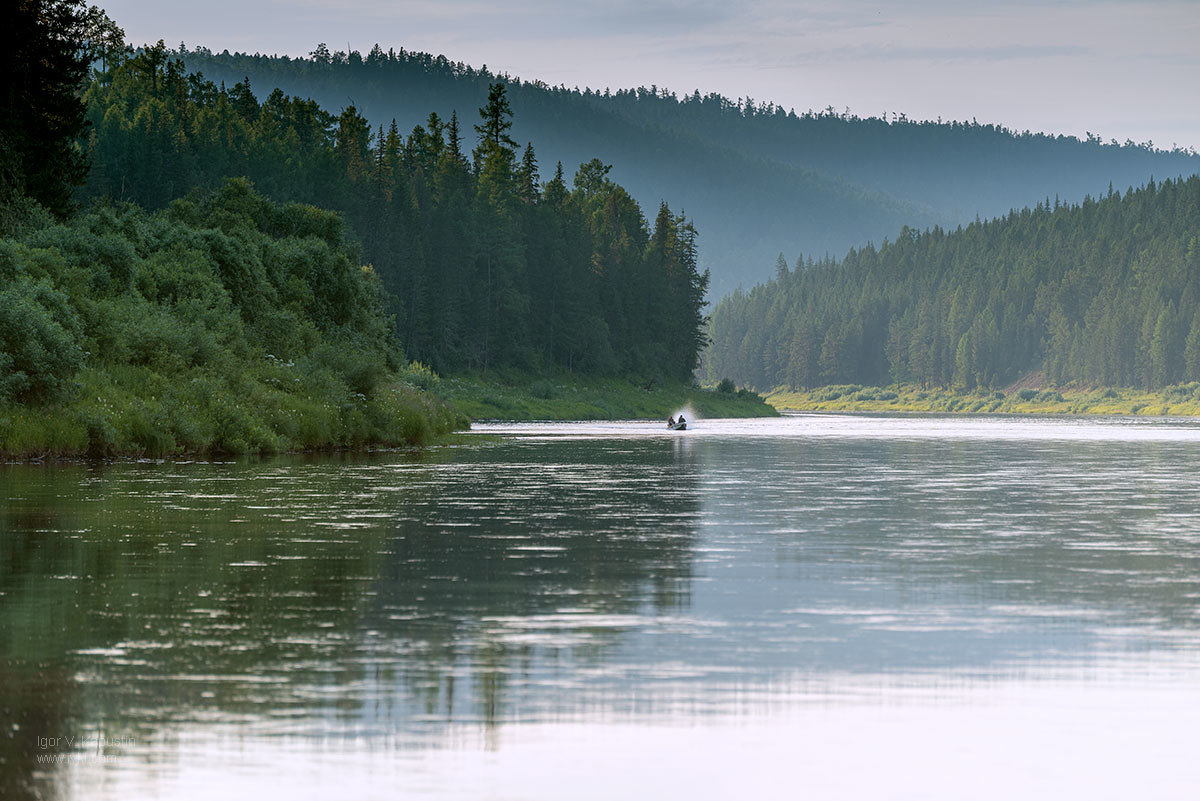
[
  {"x": 136, "y": 413},
  {"x": 563, "y": 396},
  {"x": 1180, "y": 400}
]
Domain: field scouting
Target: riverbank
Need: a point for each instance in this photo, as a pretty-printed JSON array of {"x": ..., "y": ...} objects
[
  {"x": 564, "y": 396},
  {"x": 1182, "y": 400},
  {"x": 228, "y": 324},
  {"x": 139, "y": 414}
]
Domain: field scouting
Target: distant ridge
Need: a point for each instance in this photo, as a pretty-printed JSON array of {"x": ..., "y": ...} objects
[{"x": 755, "y": 178}]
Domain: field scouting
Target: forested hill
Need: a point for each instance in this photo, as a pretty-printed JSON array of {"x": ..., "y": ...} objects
[
  {"x": 755, "y": 178},
  {"x": 1106, "y": 292},
  {"x": 487, "y": 264}
]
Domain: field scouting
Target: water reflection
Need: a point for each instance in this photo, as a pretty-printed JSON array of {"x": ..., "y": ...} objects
[{"x": 568, "y": 576}]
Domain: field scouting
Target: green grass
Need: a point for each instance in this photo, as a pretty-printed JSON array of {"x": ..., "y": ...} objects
[
  {"x": 127, "y": 411},
  {"x": 564, "y": 396},
  {"x": 1181, "y": 401}
]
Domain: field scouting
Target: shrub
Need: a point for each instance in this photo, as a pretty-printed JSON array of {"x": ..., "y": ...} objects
[
  {"x": 422, "y": 376},
  {"x": 357, "y": 368},
  {"x": 1179, "y": 392},
  {"x": 543, "y": 389},
  {"x": 726, "y": 386},
  {"x": 38, "y": 349}
]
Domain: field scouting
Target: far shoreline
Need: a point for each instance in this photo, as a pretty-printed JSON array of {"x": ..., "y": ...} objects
[{"x": 1182, "y": 400}]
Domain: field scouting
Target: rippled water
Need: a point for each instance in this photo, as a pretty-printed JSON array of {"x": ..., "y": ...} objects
[{"x": 819, "y": 606}]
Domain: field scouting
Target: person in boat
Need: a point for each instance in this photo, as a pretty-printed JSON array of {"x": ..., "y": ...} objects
[
  {"x": 671, "y": 421},
  {"x": 680, "y": 421}
]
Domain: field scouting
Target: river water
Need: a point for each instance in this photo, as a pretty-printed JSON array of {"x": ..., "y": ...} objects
[{"x": 818, "y": 606}]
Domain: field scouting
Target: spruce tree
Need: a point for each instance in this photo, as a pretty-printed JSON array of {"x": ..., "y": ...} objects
[
  {"x": 527, "y": 175},
  {"x": 42, "y": 116},
  {"x": 497, "y": 119}
]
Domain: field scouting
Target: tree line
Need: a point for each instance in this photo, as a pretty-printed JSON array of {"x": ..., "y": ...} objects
[
  {"x": 487, "y": 265},
  {"x": 1104, "y": 292}
]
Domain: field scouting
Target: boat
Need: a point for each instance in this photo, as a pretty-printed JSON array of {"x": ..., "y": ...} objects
[{"x": 681, "y": 426}]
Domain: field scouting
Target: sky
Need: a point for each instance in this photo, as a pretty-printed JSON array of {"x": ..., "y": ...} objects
[{"x": 1120, "y": 69}]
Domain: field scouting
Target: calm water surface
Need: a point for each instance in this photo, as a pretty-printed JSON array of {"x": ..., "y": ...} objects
[{"x": 819, "y": 606}]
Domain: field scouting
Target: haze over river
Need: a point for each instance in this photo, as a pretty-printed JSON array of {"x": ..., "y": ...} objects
[{"x": 812, "y": 607}]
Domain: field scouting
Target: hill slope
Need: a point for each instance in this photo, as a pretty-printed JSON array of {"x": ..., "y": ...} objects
[{"x": 757, "y": 180}]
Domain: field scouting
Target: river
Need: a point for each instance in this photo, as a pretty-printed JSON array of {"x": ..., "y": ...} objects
[{"x": 819, "y": 606}]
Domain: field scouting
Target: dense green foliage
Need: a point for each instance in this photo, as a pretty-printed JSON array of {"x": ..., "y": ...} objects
[
  {"x": 488, "y": 266},
  {"x": 1106, "y": 292},
  {"x": 754, "y": 177},
  {"x": 224, "y": 324}
]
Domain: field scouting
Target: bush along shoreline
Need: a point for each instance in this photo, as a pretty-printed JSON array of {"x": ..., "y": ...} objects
[{"x": 225, "y": 324}]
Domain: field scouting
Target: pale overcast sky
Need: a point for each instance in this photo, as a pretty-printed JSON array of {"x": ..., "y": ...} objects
[{"x": 1121, "y": 69}]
